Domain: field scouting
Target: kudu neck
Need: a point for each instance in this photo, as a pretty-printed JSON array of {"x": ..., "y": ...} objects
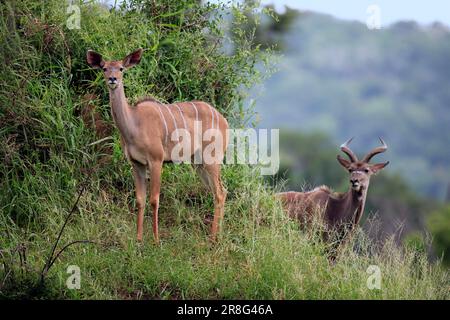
[
  {"x": 120, "y": 108},
  {"x": 348, "y": 207},
  {"x": 357, "y": 196},
  {"x": 356, "y": 203}
]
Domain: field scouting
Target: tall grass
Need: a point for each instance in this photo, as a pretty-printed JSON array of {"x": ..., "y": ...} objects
[{"x": 49, "y": 152}]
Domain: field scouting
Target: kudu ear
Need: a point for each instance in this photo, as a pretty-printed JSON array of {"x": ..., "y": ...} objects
[
  {"x": 133, "y": 58},
  {"x": 343, "y": 162},
  {"x": 94, "y": 59},
  {"x": 378, "y": 166}
]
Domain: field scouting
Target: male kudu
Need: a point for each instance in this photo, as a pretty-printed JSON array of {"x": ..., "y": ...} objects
[
  {"x": 340, "y": 212},
  {"x": 146, "y": 133}
]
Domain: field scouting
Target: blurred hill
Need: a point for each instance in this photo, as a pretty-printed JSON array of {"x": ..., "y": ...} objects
[{"x": 346, "y": 80}]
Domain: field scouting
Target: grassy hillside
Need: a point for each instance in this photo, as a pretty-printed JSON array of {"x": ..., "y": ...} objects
[{"x": 59, "y": 144}]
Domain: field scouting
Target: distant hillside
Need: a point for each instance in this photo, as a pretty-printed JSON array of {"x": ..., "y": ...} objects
[{"x": 339, "y": 77}]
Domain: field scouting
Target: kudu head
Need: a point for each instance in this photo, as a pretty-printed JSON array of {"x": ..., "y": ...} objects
[
  {"x": 361, "y": 170},
  {"x": 113, "y": 70}
]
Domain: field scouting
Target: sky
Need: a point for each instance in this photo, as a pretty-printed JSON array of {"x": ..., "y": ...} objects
[{"x": 391, "y": 11}]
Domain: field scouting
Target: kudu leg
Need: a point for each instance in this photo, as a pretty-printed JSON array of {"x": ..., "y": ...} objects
[
  {"x": 155, "y": 184},
  {"x": 211, "y": 173},
  {"x": 140, "y": 182}
]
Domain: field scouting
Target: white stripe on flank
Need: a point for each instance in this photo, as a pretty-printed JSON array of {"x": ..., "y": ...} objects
[
  {"x": 212, "y": 116},
  {"x": 217, "y": 117},
  {"x": 182, "y": 116},
  {"x": 171, "y": 114},
  {"x": 196, "y": 111},
  {"x": 165, "y": 123}
]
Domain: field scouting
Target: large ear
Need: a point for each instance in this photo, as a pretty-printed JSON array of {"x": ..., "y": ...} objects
[
  {"x": 378, "y": 166},
  {"x": 132, "y": 59},
  {"x": 94, "y": 59},
  {"x": 343, "y": 162}
]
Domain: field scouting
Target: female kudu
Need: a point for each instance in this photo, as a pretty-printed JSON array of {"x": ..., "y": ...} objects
[
  {"x": 147, "y": 133},
  {"x": 341, "y": 212}
]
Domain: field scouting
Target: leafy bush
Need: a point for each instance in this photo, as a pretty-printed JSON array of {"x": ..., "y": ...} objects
[{"x": 439, "y": 225}]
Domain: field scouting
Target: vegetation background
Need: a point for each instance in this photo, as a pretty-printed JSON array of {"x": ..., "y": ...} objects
[{"x": 62, "y": 166}]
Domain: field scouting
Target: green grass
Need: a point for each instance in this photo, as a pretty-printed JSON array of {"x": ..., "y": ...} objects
[
  {"x": 260, "y": 254},
  {"x": 49, "y": 153}
]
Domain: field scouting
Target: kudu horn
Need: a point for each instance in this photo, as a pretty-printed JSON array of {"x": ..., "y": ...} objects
[
  {"x": 347, "y": 151},
  {"x": 376, "y": 151}
]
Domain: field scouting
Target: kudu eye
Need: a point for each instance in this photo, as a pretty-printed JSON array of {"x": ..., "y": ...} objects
[
  {"x": 104, "y": 69},
  {"x": 121, "y": 69},
  {"x": 366, "y": 170}
]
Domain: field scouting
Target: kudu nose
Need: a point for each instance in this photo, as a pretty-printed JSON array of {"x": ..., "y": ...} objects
[
  {"x": 354, "y": 181},
  {"x": 112, "y": 79}
]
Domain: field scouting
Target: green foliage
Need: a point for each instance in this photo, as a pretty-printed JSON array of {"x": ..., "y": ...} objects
[
  {"x": 266, "y": 28},
  {"x": 309, "y": 158},
  {"x": 48, "y": 153},
  {"x": 439, "y": 225},
  {"x": 415, "y": 241}
]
